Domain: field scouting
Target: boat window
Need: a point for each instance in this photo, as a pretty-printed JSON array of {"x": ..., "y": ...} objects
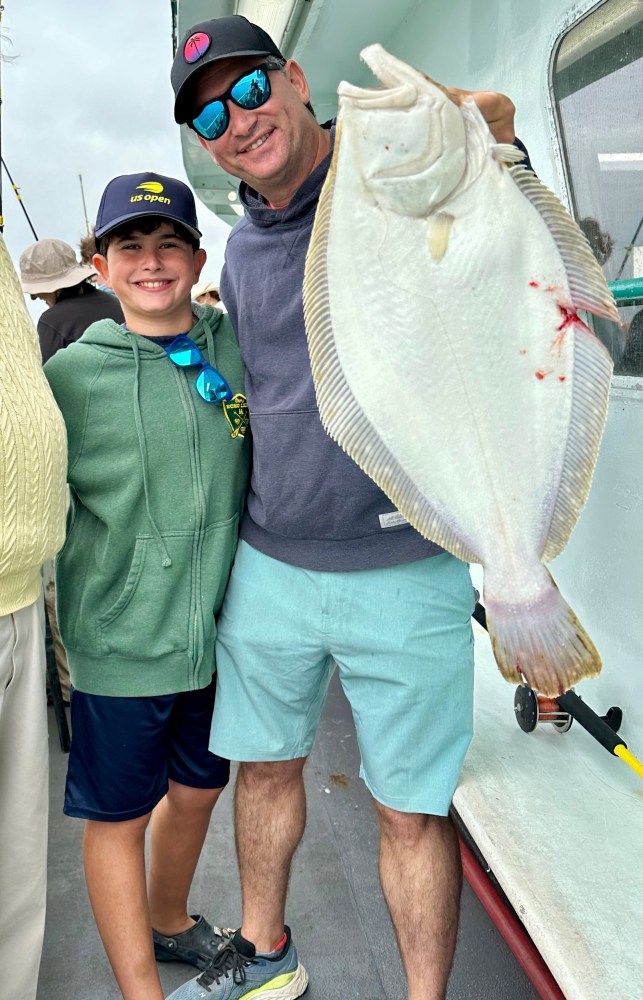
[{"x": 597, "y": 88}]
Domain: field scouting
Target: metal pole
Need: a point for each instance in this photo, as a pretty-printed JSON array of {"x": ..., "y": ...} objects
[
  {"x": 19, "y": 197},
  {"x": 628, "y": 249},
  {"x": 82, "y": 192}
]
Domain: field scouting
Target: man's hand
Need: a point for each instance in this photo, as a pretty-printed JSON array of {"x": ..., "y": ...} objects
[{"x": 496, "y": 109}]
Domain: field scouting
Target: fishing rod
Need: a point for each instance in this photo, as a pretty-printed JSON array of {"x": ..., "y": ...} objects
[
  {"x": 19, "y": 197},
  {"x": 628, "y": 249},
  {"x": 82, "y": 194},
  {"x": 532, "y": 708}
]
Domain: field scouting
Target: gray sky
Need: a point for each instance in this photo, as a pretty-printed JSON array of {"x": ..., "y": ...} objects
[{"x": 87, "y": 91}]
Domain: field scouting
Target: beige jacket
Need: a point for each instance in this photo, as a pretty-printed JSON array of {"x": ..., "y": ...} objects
[{"x": 33, "y": 452}]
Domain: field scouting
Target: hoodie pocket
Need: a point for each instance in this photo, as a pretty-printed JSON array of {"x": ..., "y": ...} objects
[{"x": 151, "y": 616}]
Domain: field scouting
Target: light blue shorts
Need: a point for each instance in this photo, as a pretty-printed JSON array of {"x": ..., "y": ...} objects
[{"x": 401, "y": 638}]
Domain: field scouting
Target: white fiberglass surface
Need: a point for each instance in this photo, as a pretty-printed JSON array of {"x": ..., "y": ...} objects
[{"x": 560, "y": 823}]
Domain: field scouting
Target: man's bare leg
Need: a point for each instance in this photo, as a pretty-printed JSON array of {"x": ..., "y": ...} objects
[
  {"x": 270, "y": 817},
  {"x": 179, "y": 827},
  {"x": 115, "y": 871},
  {"x": 421, "y": 878}
]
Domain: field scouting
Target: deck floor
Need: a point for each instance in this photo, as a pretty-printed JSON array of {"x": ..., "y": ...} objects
[{"x": 339, "y": 920}]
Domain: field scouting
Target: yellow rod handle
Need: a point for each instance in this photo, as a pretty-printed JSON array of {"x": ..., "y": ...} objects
[{"x": 629, "y": 758}]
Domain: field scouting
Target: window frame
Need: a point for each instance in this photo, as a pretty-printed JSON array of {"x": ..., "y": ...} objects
[{"x": 572, "y": 18}]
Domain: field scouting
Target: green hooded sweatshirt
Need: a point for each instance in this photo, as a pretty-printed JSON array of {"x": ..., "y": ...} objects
[{"x": 157, "y": 478}]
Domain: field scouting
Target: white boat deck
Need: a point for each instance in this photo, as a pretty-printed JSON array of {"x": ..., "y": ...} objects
[{"x": 559, "y": 821}]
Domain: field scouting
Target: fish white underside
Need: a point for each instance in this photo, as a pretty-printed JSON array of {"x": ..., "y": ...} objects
[
  {"x": 448, "y": 357},
  {"x": 465, "y": 342}
]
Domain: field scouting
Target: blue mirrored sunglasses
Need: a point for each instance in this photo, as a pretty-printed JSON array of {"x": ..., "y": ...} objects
[
  {"x": 210, "y": 384},
  {"x": 248, "y": 92}
]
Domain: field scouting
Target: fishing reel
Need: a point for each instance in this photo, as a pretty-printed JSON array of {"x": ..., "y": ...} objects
[{"x": 532, "y": 709}]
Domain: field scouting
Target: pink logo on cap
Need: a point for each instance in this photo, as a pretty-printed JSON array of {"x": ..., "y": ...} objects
[{"x": 196, "y": 46}]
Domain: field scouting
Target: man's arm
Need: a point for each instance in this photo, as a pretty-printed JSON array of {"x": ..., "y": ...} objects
[{"x": 496, "y": 109}]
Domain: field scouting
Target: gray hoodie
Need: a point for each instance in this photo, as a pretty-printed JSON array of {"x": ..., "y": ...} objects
[{"x": 309, "y": 503}]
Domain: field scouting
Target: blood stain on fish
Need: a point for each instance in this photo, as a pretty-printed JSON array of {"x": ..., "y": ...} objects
[
  {"x": 534, "y": 284},
  {"x": 540, "y": 374}
]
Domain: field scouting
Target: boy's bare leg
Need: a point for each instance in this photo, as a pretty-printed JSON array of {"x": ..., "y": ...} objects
[
  {"x": 421, "y": 877},
  {"x": 179, "y": 826},
  {"x": 115, "y": 872},
  {"x": 270, "y": 816}
]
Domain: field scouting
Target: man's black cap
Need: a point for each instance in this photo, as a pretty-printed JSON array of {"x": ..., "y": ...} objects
[
  {"x": 131, "y": 196},
  {"x": 209, "y": 41}
]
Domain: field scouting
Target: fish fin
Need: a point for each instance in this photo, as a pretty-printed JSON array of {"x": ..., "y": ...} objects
[
  {"x": 340, "y": 413},
  {"x": 543, "y": 642},
  {"x": 439, "y": 229},
  {"x": 506, "y": 152},
  {"x": 586, "y": 280},
  {"x": 592, "y": 375}
]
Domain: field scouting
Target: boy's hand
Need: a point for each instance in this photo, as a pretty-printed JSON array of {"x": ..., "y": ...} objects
[{"x": 496, "y": 109}]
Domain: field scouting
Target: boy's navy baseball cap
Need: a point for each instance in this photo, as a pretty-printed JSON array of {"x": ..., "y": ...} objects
[
  {"x": 209, "y": 41},
  {"x": 132, "y": 196}
]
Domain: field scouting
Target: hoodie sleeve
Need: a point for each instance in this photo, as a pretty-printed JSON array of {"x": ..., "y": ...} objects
[{"x": 71, "y": 374}]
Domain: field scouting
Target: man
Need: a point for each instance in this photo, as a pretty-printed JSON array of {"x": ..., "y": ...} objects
[
  {"x": 33, "y": 465},
  {"x": 326, "y": 571}
]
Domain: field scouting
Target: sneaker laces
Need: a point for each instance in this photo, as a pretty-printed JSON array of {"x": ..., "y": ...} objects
[{"x": 228, "y": 960}]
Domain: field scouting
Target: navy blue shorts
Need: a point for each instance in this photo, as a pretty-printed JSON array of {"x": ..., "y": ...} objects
[{"x": 124, "y": 750}]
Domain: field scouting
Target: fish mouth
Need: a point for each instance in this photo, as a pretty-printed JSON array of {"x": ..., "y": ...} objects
[
  {"x": 401, "y": 82},
  {"x": 399, "y": 89},
  {"x": 403, "y": 87}
]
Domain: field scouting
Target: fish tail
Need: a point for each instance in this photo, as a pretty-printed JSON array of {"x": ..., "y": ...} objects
[{"x": 542, "y": 642}]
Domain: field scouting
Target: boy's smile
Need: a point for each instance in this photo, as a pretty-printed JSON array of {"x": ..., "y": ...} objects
[{"x": 152, "y": 276}]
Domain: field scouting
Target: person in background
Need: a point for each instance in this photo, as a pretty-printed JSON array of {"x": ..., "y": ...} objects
[
  {"x": 632, "y": 360},
  {"x": 206, "y": 292},
  {"x": 33, "y": 465},
  {"x": 331, "y": 572},
  {"x": 87, "y": 248},
  {"x": 49, "y": 271},
  {"x": 158, "y": 468}
]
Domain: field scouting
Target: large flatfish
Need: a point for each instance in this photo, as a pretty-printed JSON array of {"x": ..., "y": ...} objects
[{"x": 441, "y": 296}]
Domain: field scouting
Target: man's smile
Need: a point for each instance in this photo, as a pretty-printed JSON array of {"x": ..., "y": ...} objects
[{"x": 257, "y": 142}]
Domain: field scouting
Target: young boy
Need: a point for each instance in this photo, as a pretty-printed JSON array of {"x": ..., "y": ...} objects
[{"x": 158, "y": 469}]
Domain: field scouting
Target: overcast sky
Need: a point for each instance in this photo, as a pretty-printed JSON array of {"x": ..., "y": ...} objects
[{"x": 87, "y": 91}]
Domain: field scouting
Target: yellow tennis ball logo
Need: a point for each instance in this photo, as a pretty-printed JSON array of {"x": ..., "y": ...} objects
[{"x": 153, "y": 191}]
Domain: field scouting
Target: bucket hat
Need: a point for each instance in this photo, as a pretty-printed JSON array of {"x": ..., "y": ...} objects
[
  {"x": 48, "y": 265},
  {"x": 202, "y": 287}
]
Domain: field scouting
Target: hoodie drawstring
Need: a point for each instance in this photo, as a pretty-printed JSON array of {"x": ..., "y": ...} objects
[{"x": 138, "y": 420}]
